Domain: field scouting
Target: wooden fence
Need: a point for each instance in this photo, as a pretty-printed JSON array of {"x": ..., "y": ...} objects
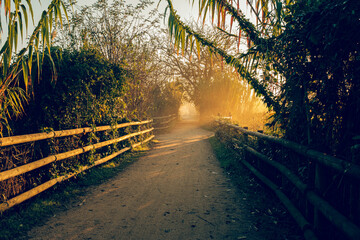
[
  {"x": 26, "y": 168},
  {"x": 162, "y": 123},
  {"x": 281, "y": 178}
]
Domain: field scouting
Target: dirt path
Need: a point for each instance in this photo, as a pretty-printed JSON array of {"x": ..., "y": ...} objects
[{"x": 177, "y": 191}]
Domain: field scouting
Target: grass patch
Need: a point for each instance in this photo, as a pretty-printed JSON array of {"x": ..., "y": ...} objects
[
  {"x": 228, "y": 160},
  {"x": 209, "y": 126},
  {"x": 17, "y": 221}
]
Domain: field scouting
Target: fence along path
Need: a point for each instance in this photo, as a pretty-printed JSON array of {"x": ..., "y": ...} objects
[
  {"x": 163, "y": 123},
  {"x": 350, "y": 229},
  {"x": 13, "y": 140}
]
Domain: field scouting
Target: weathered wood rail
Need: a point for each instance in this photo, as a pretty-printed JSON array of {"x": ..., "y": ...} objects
[
  {"x": 162, "y": 123},
  {"x": 16, "y": 171},
  {"x": 56, "y": 134},
  {"x": 239, "y": 141}
]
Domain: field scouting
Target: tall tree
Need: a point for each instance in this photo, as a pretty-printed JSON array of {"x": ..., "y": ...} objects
[
  {"x": 212, "y": 86},
  {"x": 124, "y": 34},
  {"x": 301, "y": 56}
]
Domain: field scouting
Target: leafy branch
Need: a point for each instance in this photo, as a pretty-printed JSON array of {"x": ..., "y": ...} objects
[
  {"x": 184, "y": 36},
  {"x": 11, "y": 95}
]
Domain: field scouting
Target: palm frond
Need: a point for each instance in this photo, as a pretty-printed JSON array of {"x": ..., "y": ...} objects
[{"x": 178, "y": 30}]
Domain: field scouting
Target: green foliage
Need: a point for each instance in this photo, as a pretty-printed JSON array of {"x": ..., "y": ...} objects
[
  {"x": 226, "y": 157},
  {"x": 89, "y": 92},
  {"x": 107, "y": 73},
  {"x": 17, "y": 65},
  {"x": 126, "y": 35},
  {"x": 318, "y": 54},
  {"x": 302, "y": 57},
  {"x": 92, "y": 89},
  {"x": 98, "y": 82},
  {"x": 167, "y": 98},
  {"x": 185, "y": 36},
  {"x": 12, "y": 104}
]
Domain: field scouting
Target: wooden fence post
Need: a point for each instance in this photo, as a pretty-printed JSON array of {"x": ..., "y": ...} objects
[
  {"x": 355, "y": 187},
  {"x": 260, "y": 145},
  {"x": 320, "y": 184},
  {"x": 246, "y": 140}
]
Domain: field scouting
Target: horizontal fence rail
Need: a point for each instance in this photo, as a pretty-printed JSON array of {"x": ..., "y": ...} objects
[
  {"x": 61, "y": 156},
  {"x": 7, "y": 141},
  {"x": 163, "y": 117},
  {"x": 342, "y": 166},
  {"x": 295, "y": 213},
  {"x": 335, "y": 217},
  {"x": 28, "y": 167},
  {"x": 162, "y": 123},
  {"x": 35, "y": 191}
]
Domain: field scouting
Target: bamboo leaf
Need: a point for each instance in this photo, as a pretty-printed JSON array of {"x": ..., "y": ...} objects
[
  {"x": 53, "y": 68},
  {"x": 213, "y": 11},
  {"x": 21, "y": 26},
  {"x": 15, "y": 35},
  {"x": 51, "y": 20},
  {"x": 65, "y": 12},
  {"x": 38, "y": 63},
  {"x": 30, "y": 59},
  {"x": 7, "y": 7},
  {"x": 30, "y": 9},
  {"x": 60, "y": 18},
  {"x": 197, "y": 47},
  {"x": 25, "y": 74},
  {"x": 182, "y": 41},
  {"x": 5, "y": 47},
  {"x": 24, "y": 11}
]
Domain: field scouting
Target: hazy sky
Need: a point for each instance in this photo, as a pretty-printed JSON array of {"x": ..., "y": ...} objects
[{"x": 183, "y": 7}]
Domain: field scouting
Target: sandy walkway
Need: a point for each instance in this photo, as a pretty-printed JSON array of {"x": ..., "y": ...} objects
[{"x": 177, "y": 191}]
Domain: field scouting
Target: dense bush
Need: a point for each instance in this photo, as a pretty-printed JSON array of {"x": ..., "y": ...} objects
[
  {"x": 88, "y": 91},
  {"x": 318, "y": 54}
]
